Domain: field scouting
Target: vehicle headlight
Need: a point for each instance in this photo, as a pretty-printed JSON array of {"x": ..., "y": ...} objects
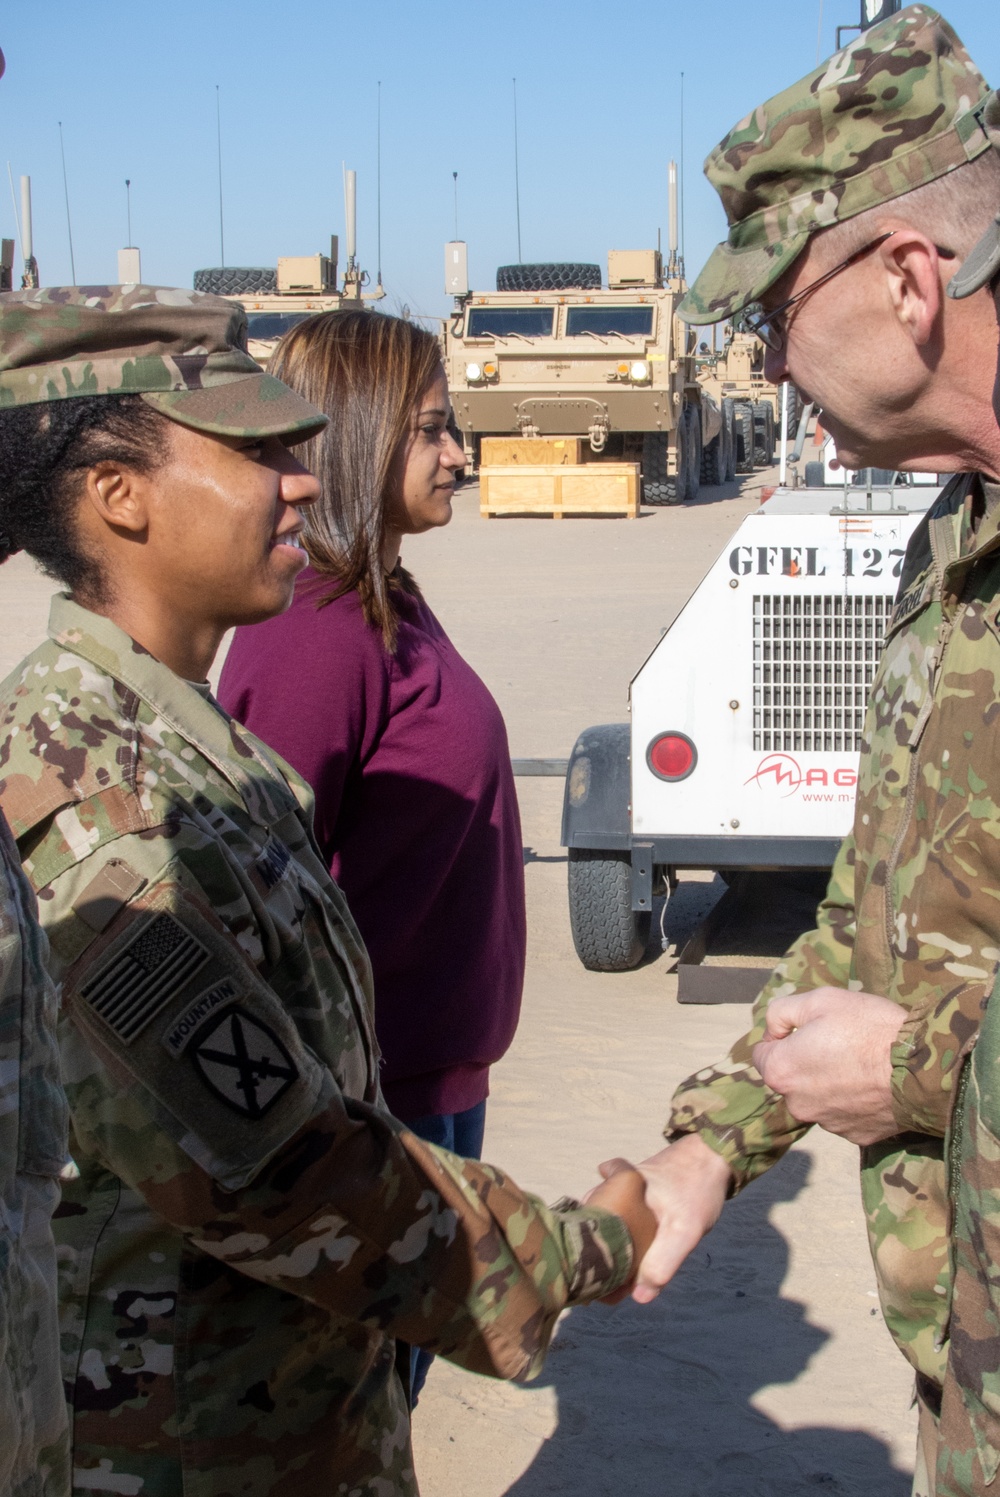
[
  {"x": 473, "y": 372},
  {"x": 639, "y": 371}
]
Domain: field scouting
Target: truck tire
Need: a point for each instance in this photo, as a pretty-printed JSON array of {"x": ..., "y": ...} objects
[
  {"x": 729, "y": 426},
  {"x": 608, "y": 934},
  {"x": 236, "y": 280},
  {"x": 657, "y": 485},
  {"x": 763, "y": 434},
  {"x": 744, "y": 438},
  {"x": 713, "y": 461},
  {"x": 556, "y": 276},
  {"x": 693, "y": 415}
]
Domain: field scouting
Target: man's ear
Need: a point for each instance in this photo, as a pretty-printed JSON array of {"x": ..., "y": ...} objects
[
  {"x": 912, "y": 267},
  {"x": 117, "y": 495}
]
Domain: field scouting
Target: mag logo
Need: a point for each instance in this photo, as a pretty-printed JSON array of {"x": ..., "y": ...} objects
[{"x": 782, "y": 775}]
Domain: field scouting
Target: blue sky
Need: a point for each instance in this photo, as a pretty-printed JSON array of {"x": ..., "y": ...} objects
[{"x": 599, "y": 116}]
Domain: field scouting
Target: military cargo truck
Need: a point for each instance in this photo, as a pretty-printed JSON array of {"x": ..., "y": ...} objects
[
  {"x": 555, "y": 353},
  {"x": 735, "y": 380}
]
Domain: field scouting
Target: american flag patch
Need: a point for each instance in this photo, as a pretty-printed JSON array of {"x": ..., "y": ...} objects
[{"x": 150, "y": 971}]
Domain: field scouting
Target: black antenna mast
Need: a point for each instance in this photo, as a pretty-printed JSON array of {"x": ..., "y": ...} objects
[
  {"x": 378, "y": 181},
  {"x": 218, "y": 143},
  {"x": 517, "y": 179}
]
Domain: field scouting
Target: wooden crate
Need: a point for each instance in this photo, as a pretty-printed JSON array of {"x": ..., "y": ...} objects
[
  {"x": 552, "y": 489},
  {"x": 498, "y": 452}
]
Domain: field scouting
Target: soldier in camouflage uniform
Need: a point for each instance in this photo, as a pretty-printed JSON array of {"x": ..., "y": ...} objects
[
  {"x": 850, "y": 198},
  {"x": 34, "y": 1447},
  {"x": 250, "y": 1229},
  {"x": 969, "y": 1441}
]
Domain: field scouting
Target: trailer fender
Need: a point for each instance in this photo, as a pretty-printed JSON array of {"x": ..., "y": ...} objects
[{"x": 597, "y": 796}]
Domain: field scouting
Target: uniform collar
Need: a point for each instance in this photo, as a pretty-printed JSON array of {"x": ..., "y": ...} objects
[{"x": 236, "y": 754}]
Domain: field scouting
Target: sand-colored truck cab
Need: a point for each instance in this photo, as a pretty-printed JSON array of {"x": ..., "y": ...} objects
[
  {"x": 276, "y": 299},
  {"x": 554, "y": 352}
]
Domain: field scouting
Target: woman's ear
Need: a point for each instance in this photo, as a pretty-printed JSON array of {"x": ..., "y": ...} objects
[{"x": 117, "y": 495}]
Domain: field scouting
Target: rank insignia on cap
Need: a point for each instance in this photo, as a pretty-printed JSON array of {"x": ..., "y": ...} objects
[{"x": 242, "y": 1062}]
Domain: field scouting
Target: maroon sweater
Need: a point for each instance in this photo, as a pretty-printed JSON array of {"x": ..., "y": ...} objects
[{"x": 417, "y": 816}]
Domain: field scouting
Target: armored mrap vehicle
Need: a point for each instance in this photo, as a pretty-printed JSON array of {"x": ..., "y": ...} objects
[{"x": 554, "y": 353}]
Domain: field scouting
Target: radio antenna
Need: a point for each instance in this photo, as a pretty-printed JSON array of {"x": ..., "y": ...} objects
[
  {"x": 378, "y": 180},
  {"x": 681, "y": 174},
  {"x": 819, "y": 33},
  {"x": 218, "y": 146},
  {"x": 517, "y": 179},
  {"x": 13, "y": 202},
  {"x": 69, "y": 226}
]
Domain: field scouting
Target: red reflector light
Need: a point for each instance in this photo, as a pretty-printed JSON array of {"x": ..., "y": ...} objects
[{"x": 672, "y": 756}]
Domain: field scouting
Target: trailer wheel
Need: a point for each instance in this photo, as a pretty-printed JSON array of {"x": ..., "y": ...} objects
[
  {"x": 236, "y": 280},
  {"x": 729, "y": 427},
  {"x": 608, "y": 934}
]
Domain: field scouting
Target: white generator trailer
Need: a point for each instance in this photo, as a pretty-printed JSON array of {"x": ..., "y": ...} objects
[{"x": 746, "y": 718}]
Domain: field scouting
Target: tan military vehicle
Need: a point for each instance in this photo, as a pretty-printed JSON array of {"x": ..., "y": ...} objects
[
  {"x": 554, "y": 353},
  {"x": 735, "y": 379},
  {"x": 300, "y": 285},
  {"x": 275, "y": 300}
]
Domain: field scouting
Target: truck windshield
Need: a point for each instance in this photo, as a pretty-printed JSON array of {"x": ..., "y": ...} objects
[
  {"x": 500, "y": 322},
  {"x": 273, "y": 324},
  {"x": 630, "y": 322}
]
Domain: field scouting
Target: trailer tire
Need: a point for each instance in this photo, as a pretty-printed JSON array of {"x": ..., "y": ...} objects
[
  {"x": 554, "y": 276},
  {"x": 815, "y": 476},
  {"x": 729, "y": 427},
  {"x": 608, "y": 934},
  {"x": 744, "y": 439},
  {"x": 236, "y": 280}
]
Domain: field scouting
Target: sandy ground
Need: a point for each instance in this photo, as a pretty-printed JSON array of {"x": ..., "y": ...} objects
[{"x": 765, "y": 1369}]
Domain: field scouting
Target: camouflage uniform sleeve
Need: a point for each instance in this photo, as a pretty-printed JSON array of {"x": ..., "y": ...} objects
[
  {"x": 190, "y": 1081},
  {"x": 727, "y": 1104}
]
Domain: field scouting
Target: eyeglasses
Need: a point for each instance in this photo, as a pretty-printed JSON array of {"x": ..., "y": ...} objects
[{"x": 771, "y": 327}]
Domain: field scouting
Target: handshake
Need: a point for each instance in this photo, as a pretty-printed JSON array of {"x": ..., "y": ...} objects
[
  {"x": 827, "y": 1053},
  {"x": 667, "y": 1203}
]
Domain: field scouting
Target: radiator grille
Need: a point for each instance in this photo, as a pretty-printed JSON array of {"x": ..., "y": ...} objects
[{"x": 814, "y": 661}]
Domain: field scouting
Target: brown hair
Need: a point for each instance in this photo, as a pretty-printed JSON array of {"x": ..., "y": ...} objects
[{"x": 368, "y": 372}]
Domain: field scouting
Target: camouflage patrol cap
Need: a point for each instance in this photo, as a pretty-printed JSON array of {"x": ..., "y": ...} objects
[
  {"x": 184, "y": 352},
  {"x": 896, "y": 109},
  {"x": 984, "y": 263}
]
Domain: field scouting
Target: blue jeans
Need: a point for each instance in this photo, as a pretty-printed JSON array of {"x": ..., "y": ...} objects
[{"x": 461, "y": 1133}]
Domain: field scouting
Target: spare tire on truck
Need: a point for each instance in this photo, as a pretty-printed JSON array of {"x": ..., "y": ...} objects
[
  {"x": 236, "y": 280},
  {"x": 555, "y": 276}
]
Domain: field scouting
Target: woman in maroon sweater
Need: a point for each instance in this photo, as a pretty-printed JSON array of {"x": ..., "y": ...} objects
[{"x": 360, "y": 689}]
